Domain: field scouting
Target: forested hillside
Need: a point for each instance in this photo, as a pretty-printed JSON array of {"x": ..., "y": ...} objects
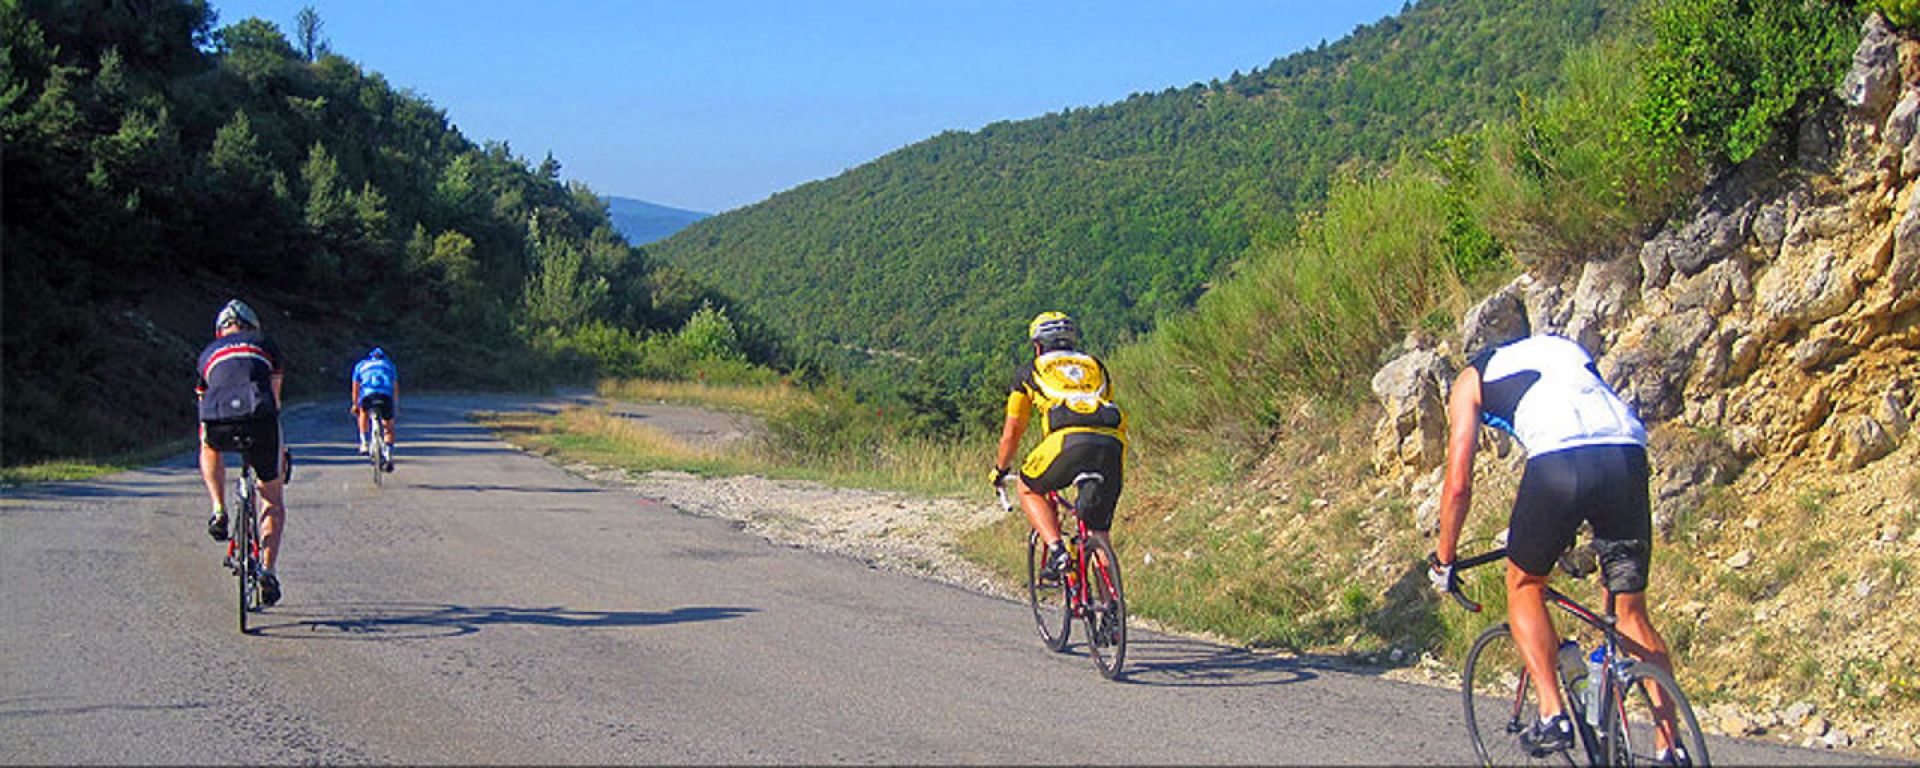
[
  {"x": 157, "y": 164},
  {"x": 1124, "y": 212}
]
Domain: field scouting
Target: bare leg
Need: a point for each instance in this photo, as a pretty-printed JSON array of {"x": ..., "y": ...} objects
[
  {"x": 1645, "y": 643},
  {"x": 213, "y": 472},
  {"x": 1040, "y": 513},
  {"x": 1534, "y": 634},
  {"x": 273, "y": 518}
]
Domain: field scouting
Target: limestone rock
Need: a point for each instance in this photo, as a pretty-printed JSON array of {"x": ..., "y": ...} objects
[
  {"x": 1798, "y": 712},
  {"x": 1903, "y": 271},
  {"x": 1891, "y": 411},
  {"x": 1600, "y": 299},
  {"x": 1798, "y": 292},
  {"x": 1869, "y": 85},
  {"x": 1770, "y": 225},
  {"x": 1647, "y": 375},
  {"x": 1412, "y": 434},
  {"x": 1546, "y": 302},
  {"x": 1900, "y": 130},
  {"x": 1502, "y": 317},
  {"x": 1862, "y": 440},
  {"x": 1715, "y": 289},
  {"x": 1714, "y": 233}
]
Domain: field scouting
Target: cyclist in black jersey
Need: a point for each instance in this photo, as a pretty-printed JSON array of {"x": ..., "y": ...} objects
[
  {"x": 241, "y": 374},
  {"x": 1586, "y": 462}
]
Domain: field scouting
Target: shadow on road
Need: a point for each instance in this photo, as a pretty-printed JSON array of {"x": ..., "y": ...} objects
[
  {"x": 406, "y": 621},
  {"x": 488, "y": 487},
  {"x": 7, "y": 710},
  {"x": 1179, "y": 663}
]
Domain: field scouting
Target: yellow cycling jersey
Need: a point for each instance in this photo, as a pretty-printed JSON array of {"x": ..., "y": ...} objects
[{"x": 1070, "y": 390}]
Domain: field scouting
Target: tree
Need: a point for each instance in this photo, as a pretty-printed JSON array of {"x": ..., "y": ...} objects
[{"x": 307, "y": 26}]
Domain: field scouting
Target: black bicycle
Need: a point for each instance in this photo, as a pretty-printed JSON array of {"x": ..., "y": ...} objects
[
  {"x": 1618, "y": 711},
  {"x": 243, "y": 546},
  {"x": 1091, "y": 590}
]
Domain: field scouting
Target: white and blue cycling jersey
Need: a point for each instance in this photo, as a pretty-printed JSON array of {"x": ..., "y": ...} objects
[{"x": 376, "y": 376}]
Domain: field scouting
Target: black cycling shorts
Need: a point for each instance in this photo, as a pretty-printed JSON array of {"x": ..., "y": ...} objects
[
  {"x": 1605, "y": 485},
  {"x": 1082, "y": 452},
  {"x": 379, "y": 404},
  {"x": 257, "y": 440}
]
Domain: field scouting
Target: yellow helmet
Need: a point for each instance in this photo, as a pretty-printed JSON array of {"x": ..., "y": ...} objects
[{"x": 1054, "y": 330}]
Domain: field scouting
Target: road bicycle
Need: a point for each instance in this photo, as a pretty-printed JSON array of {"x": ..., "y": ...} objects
[
  {"x": 1090, "y": 590},
  {"x": 1616, "y": 703},
  {"x": 379, "y": 451},
  {"x": 243, "y": 545},
  {"x": 379, "y": 445}
]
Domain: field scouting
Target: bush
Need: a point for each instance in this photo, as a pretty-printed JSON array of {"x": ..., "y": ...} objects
[
  {"x": 1725, "y": 77},
  {"x": 1901, "y": 13},
  {"x": 1566, "y": 178},
  {"x": 830, "y": 424}
]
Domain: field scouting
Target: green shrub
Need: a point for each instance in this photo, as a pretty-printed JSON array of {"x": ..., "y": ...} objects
[
  {"x": 1901, "y": 13},
  {"x": 1725, "y": 77},
  {"x": 1306, "y": 320}
]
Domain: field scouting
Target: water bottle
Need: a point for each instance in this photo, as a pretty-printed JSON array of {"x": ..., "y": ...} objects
[
  {"x": 1573, "y": 668},
  {"x": 1596, "y": 662}
]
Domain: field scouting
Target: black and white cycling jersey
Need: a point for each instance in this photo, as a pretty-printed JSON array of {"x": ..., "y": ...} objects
[{"x": 1546, "y": 391}]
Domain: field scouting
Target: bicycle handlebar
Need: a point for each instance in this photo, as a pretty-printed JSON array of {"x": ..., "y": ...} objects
[{"x": 1463, "y": 564}]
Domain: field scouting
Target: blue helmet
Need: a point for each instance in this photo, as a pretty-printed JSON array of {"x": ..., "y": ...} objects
[{"x": 377, "y": 354}]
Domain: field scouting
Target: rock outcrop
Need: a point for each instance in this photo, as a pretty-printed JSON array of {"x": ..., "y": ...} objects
[{"x": 1781, "y": 317}]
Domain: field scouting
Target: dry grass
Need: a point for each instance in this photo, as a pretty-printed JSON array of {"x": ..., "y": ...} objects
[{"x": 746, "y": 398}]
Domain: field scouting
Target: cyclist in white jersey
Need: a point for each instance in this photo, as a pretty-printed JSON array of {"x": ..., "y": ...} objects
[{"x": 1586, "y": 462}]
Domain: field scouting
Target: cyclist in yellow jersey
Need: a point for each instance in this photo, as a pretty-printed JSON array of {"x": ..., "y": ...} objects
[{"x": 1084, "y": 432}]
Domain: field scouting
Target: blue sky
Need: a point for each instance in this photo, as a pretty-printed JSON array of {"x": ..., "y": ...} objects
[{"x": 714, "y": 104}]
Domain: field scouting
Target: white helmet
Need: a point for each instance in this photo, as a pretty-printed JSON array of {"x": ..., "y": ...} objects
[{"x": 236, "y": 312}]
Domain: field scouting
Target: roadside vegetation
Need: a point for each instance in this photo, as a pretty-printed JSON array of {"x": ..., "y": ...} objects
[{"x": 159, "y": 163}]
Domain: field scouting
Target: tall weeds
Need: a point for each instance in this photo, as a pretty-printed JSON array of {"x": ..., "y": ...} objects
[{"x": 1305, "y": 320}]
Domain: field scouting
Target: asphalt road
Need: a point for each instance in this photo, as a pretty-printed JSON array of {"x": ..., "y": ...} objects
[{"x": 488, "y": 607}]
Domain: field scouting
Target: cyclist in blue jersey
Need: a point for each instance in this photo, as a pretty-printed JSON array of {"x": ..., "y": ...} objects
[{"x": 376, "y": 390}]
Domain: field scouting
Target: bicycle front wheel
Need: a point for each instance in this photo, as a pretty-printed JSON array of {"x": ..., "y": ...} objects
[
  {"x": 1649, "y": 703},
  {"x": 1106, "y": 614},
  {"x": 1052, "y": 616},
  {"x": 1500, "y": 702}
]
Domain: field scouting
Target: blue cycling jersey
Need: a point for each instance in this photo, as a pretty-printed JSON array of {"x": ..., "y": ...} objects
[{"x": 375, "y": 377}]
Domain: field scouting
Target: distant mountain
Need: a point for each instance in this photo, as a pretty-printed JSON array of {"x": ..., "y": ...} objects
[{"x": 642, "y": 222}]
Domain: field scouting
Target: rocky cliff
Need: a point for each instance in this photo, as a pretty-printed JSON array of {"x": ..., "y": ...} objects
[{"x": 1771, "y": 340}]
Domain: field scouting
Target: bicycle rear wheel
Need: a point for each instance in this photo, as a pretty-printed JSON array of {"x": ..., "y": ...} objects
[
  {"x": 1051, "y": 613},
  {"x": 377, "y": 450},
  {"x": 1500, "y": 702},
  {"x": 245, "y": 570},
  {"x": 1632, "y": 736},
  {"x": 1106, "y": 615}
]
